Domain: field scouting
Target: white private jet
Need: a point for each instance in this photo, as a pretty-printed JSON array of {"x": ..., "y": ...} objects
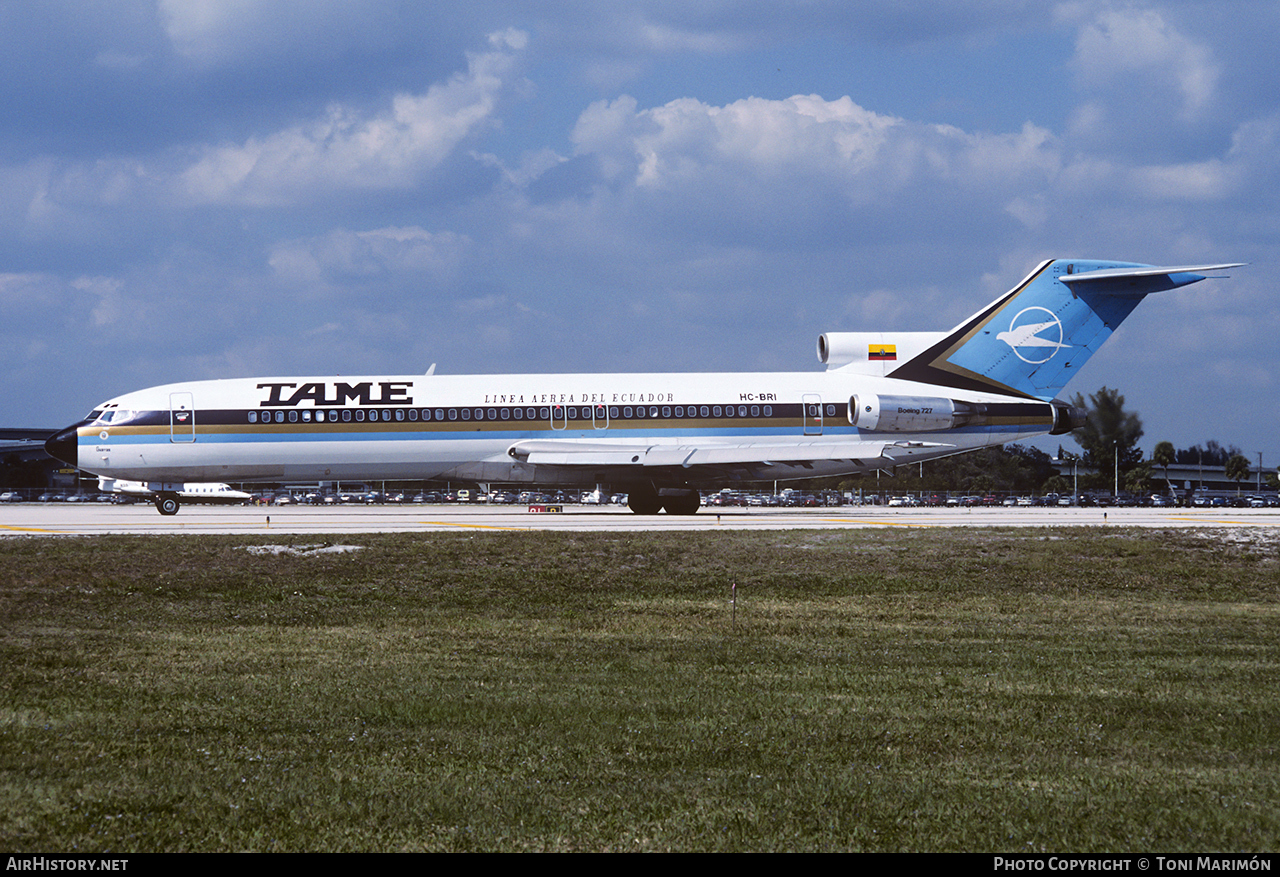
[
  {"x": 210, "y": 493},
  {"x": 885, "y": 399}
]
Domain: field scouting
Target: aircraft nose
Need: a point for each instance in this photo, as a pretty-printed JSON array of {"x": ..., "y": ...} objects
[{"x": 63, "y": 446}]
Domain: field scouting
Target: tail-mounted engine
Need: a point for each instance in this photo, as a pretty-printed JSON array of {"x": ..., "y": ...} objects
[
  {"x": 872, "y": 353},
  {"x": 876, "y": 413},
  {"x": 910, "y": 413},
  {"x": 1066, "y": 417}
]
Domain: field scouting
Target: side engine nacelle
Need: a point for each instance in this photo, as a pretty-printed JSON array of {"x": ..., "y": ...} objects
[
  {"x": 908, "y": 413},
  {"x": 876, "y": 413},
  {"x": 1066, "y": 417}
]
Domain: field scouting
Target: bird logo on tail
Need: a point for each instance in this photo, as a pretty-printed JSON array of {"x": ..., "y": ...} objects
[{"x": 1026, "y": 336}]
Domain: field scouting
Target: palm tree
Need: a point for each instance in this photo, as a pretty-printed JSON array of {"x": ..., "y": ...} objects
[
  {"x": 1164, "y": 456},
  {"x": 1237, "y": 470},
  {"x": 1138, "y": 480}
]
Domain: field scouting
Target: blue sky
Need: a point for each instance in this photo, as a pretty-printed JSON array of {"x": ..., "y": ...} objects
[{"x": 193, "y": 189}]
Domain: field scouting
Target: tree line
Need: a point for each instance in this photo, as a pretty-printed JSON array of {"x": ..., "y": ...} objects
[
  {"x": 1109, "y": 440},
  {"x": 1108, "y": 451}
]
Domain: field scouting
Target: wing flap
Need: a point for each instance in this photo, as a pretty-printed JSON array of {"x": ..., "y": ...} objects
[
  {"x": 566, "y": 452},
  {"x": 800, "y": 452}
]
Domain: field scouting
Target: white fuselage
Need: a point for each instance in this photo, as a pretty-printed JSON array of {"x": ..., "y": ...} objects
[
  {"x": 197, "y": 492},
  {"x": 465, "y": 427}
]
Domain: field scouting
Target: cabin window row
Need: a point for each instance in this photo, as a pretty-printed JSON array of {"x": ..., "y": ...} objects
[{"x": 558, "y": 412}]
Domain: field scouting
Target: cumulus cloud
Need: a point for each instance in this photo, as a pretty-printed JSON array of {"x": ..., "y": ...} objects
[
  {"x": 670, "y": 144},
  {"x": 349, "y": 150},
  {"x": 800, "y": 149},
  {"x": 111, "y": 308},
  {"x": 1121, "y": 43},
  {"x": 1245, "y": 165},
  {"x": 226, "y": 32},
  {"x": 664, "y": 37},
  {"x": 343, "y": 254},
  {"x": 196, "y": 26},
  {"x": 42, "y": 309},
  {"x": 31, "y": 291}
]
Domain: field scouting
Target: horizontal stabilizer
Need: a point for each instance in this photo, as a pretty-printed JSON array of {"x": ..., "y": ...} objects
[{"x": 1144, "y": 279}]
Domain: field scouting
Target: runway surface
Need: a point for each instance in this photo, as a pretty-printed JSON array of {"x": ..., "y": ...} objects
[{"x": 59, "y": 519}]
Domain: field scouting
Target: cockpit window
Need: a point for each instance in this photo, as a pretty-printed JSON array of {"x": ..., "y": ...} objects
[{"x": 113, "y": 415}]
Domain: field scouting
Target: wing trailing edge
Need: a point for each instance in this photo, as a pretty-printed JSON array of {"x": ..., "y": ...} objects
[{"x": 567, "y": 452}]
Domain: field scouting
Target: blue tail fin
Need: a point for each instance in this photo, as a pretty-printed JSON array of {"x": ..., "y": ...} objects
[{"x": 1032, "y": 340}]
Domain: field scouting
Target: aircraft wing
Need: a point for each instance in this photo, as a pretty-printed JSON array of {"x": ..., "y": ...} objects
[{"x": 567, "y": 452}]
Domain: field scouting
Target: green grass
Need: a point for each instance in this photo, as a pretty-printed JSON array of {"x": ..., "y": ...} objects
[{"x": 1012, "y": 690}]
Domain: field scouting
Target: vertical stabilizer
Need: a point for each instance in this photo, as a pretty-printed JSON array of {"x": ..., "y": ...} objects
[{"x": 1032, "y": 340}]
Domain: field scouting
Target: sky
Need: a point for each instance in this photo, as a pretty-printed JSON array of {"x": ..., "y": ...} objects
[{"x": 192, "y": 189}]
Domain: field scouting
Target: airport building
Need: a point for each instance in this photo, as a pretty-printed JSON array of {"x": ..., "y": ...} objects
[
  {"x": 1188, "y": 479},
  {"x": 24, "y": 465}
]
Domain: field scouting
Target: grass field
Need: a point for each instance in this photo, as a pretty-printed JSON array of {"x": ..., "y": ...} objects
[{"x": 1015, "y": 690}]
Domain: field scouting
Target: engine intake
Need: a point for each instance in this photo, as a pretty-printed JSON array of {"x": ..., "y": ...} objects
[{"x": 872, "y": 352}]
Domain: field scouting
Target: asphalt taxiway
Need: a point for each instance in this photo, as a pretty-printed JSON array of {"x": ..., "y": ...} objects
[{"x": 59, "y": 519}]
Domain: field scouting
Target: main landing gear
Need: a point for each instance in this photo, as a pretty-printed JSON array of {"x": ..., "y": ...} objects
[
  {"x": 644, "y": 499},
  {"x": 167, "y": 503}
]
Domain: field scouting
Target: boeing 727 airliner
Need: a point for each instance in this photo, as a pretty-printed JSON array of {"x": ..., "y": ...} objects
[{"x": 885, "y": 399}]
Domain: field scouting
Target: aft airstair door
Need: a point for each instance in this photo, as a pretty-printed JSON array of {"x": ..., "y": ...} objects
[
  {"x": 182, "y": 418},
  {"x": 812, "y": 404}
]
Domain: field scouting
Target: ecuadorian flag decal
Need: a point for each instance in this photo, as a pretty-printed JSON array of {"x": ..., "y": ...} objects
[{"x": 882, "y": 352}]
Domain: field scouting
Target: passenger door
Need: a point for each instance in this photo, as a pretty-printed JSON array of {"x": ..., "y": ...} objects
[
  {"x": 182, "y": 418},
  {"x": 812, "y": 404}
]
